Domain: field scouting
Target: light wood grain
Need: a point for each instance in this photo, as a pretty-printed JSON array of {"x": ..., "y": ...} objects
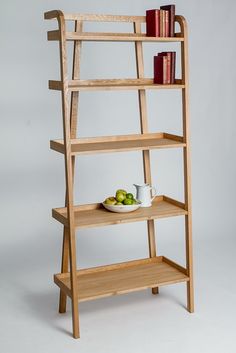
[
  {"x": 119, "y": 143},
  {"x": 55, "y": 14},
  {"x": 112, "y": 84},
  {"x": 123, "y": 278},
  {"x": 104, "y": 18},
  {"x": 112, "y": 37},
  {"x": 95, "y": 215}
]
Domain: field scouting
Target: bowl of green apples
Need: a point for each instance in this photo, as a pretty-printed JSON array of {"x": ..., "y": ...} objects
[{"x": 123, "y": 202}]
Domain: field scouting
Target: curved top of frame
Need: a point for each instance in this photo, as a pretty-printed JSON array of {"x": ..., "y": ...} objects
[
  {"x": 183, "y": 24},
  {"x": 49, "y": 15}
]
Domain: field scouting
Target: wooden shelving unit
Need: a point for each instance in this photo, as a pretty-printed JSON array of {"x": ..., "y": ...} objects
[{"x": 152, "y": 272}]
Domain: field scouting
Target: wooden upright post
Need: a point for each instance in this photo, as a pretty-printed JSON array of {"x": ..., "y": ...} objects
[
  {"x": 73, "y": 129},
  {"x": 186, "y": 159},
  {"x": 68, "y": 174},
  {"x": 144, "y": 129}
]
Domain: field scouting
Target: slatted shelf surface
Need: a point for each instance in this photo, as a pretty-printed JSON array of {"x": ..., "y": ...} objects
[
  {"x": 95, "y": 215},
  {"x": 123, "y": 278}
]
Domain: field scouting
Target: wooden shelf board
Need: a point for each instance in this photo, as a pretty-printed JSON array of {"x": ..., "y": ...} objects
[
  {"x": 95, "y": 215},
  {"x": 123, "y": 278},
  {"x": 114, "y": 84},
  {"x": 119, "y": 143},
  {"x": 113, "y": 37}
]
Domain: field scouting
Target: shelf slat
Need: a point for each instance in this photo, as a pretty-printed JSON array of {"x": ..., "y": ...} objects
[
  {"x": 95, "y": 215},
  {"x": 114, "y": 84},
  {"x": 123, "y": 278},
  {"x": 113, "y": 37},
  {"x": 119, "y": 143}
]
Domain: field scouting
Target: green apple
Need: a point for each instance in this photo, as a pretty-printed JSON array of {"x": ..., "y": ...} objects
[
  {"x": 128, "y": 202},
  {"x": 121, "y": 190},
  {"x": 119, "y": 203},
  {"x": 120, "y": 196},
  {"x": 130, "y": 196},
  {"x": 110, "y": 200}
]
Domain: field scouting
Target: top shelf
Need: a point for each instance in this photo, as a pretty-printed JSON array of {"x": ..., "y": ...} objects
[{"x": 116, "y": 37}]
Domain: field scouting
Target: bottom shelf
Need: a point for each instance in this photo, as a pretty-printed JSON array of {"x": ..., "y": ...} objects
[{"x": 122, "y": 278}]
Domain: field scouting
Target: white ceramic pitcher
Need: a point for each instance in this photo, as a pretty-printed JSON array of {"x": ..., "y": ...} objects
[{"x": 144, "y": 194}]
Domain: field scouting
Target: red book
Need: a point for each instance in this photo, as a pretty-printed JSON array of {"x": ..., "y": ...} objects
[
  {"x": 169, "y": 65},
  {"x": 153, "y": 23},
  {"x": 171, "y": 59},
  {"x": 160, "y": 69},
  {"x": 171, "y": 10}
]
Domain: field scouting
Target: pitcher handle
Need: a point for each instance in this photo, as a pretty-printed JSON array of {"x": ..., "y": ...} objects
[{"x": 155, "y": 192}]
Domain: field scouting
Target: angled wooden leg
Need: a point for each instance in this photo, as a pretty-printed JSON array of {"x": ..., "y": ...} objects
[
  {"x": 73, "y": 279},
  {"x": 73, "y": 128},
  {"x": 152, "y": 246},
  {"x": 64, "y": 268},
  {"x": 68, "y": 131},
  {"x": 187, "y": 167},
  {"x": 189, "y": 256},
  {"x": 144, "y": 129}
]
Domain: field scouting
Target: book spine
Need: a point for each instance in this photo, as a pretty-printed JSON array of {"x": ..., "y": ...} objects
[
  {"x": 153, "y": 23},
  {"x": 173, "y": 60},
  {"x": 157, "y": 23},
  {"x": 165, "y": 79},
  {"x": 168, "y": 67},
  {"x": 158, "y": 69},
  {"x": 161, "y": 22},
  {"x": 164, "y": 23},
  {"x": 172, "y": 20},
  {"x": 167, "y": 23}
]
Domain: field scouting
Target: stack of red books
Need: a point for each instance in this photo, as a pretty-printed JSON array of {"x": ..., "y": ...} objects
[
  {"x": 161, "y": 23},
  {"x": 164, "y": 68}
]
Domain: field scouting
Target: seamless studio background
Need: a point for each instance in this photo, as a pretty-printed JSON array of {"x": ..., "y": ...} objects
[{"x": 32, "y": 182}]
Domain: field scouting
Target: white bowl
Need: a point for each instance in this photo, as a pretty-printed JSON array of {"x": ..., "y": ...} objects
[{"x": 122, "y": 208}]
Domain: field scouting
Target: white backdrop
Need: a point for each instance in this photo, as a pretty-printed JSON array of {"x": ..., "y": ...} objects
[{"x": 32, "y": 176}]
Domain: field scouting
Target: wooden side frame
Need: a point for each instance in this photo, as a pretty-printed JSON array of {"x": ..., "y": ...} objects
[
  {"x": 73, "y": 129},
  {"x": 186, "y": 160},
  {"x": 69, "y": 130}
]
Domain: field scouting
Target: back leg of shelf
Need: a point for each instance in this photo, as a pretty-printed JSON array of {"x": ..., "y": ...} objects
[
  {"x": 189, "y": 260},
  {"x": 73, "y": 127},
  {"x": 144, "y": 129},
  {"x": 64, "y": 268},
  {"x": 190, "y": 301}
]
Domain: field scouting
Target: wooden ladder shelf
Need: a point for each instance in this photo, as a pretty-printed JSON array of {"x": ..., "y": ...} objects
[{"x": 152, "y": 272}]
